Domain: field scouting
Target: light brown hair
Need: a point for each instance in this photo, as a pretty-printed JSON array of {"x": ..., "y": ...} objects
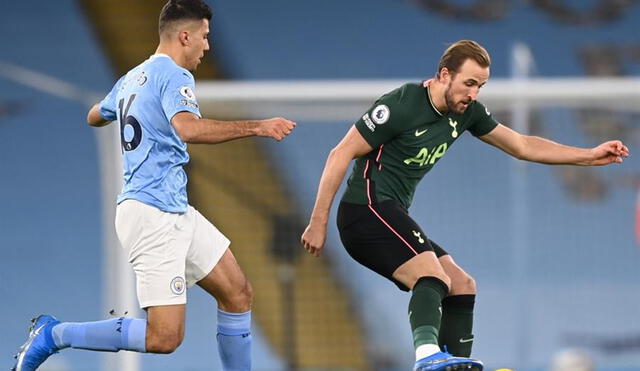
[{"x": 458, "y": 52}]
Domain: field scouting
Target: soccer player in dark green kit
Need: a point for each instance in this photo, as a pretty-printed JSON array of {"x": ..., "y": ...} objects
[{"x": 395, "y": 143}]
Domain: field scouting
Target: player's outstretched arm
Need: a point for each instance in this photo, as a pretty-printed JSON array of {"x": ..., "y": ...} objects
[
  {"x": 537, "y": 149},
  {"x": 94, "y": 118},
  {"x": 352, "y": 145},
  {"x": 193, "y": 129}
]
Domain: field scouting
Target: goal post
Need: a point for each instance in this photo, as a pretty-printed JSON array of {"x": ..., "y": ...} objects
[{"x": 339, "y": 100}]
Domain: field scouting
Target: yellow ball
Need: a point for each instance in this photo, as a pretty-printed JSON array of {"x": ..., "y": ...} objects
[{"x": 504, "y": 369}]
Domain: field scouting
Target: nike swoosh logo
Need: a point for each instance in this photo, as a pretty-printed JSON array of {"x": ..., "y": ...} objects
[
  {"x": 419, "y": 132},
  {"x": 463, "y": 340},
  {"x": 37, "y": 331}
]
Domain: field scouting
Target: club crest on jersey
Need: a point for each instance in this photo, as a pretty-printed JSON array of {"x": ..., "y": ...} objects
[
  {"x": 418, "y": 235},
  {"x": 186, "y": 92},
  {"x": 177, "y": 285},
  {"x": 453, "y": 124},
  {"x": 380, "y": 114}
]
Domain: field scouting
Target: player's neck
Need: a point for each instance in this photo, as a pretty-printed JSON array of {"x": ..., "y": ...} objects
[
  {"x": 436, "y": 92},
  {"x": 172, "y": 53}
]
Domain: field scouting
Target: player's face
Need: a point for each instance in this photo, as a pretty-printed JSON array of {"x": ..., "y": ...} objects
[
  {"x": 199, "y": 43},
  {"x": 464, "y": 86}
]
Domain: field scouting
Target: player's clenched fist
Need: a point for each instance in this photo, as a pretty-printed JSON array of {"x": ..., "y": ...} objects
[
  {"x": 276, "y": 128},
  {"x": 609, "y": 152},
  {"x": 313, "y": 239}
]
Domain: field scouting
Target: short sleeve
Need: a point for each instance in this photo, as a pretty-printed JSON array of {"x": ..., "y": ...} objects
[
  {"x": 383, "y": 121},
  {"x": 179, "y": 95},
  {"x": 482, "y": 121},
  {"x": 108, "y": 104}
]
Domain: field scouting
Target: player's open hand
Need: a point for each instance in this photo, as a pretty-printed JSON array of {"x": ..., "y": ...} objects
[
  {"x": 276, "y": 128},
  {"x": 609, "y": 152},
  {"x": 313, "y": 238}
]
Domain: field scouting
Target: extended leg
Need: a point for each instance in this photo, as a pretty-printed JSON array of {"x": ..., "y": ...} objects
[
  {"x": 430, "y": 285},
  {"x": 162, "y": 333}
]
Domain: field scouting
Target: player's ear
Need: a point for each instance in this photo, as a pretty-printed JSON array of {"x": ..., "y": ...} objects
[
  {"x": 184, "y": 37},
  {"x": 443, "y": 75}
]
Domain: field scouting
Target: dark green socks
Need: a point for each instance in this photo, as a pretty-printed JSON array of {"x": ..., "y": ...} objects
[
  {"x": 457, "y": 324},
  {"x": 424, "y": 310}
]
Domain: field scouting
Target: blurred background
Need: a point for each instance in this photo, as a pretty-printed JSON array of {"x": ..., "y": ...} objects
[{"x": 554, "y": 250}]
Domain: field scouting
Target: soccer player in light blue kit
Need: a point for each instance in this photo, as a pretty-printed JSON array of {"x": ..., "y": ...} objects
[{"x": 171, "y": 246}]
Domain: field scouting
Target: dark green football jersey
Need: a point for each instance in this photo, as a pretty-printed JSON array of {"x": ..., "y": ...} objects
[{"x": 408, "y": 136}]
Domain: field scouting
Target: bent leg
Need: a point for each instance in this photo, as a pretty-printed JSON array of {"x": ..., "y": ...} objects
[
  {"x": 156, "y": 243},
  {"x": 162, "y": 332},
  {"x": 383, "y": 237},
  {"x": 456, "y": 329},
  {"x": 109, "y": 335},
  {"x": 165, "y": 328},
  {"x": 227, "y": 283},
  {"x": 422, "y": 265},
  {"x": 461, "y": 282},
  {"x": 430, "y": 285},
  {"x": 47, "y": 336}
]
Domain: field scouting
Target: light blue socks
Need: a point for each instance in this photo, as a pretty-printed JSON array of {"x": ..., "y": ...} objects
[
  {"x": 234, "y": 337},
  {"x": 110, "y": 335},
  {"x": 234, "y": 340}
]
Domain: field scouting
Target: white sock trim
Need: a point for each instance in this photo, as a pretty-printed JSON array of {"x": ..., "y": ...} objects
[{"x": 425, "y": 350}]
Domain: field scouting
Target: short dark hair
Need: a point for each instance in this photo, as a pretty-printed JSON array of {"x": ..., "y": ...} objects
[
  {"x": 176, "y": 10},
  {"x": 458, "y": 52}
]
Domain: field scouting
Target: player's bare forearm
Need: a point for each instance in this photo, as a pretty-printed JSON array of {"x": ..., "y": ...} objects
[
  {"x": 545, "y": 151},
  {"x": 332, "y": 176},
  {"x": 94, "y": 118},
  {"x": 192, "y": 129},
  {"x": 212, "y": 131},
  {"x": 315, "y": 235},
  {"x": 549, "y": 152},
  {"x": 352, "y": 146}
]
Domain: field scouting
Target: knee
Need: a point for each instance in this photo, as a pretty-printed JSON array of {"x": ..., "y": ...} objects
[
  {"x": 446, "y": 279},
  {"x": 464, "y": 284},
  {"x": 245, "y": 298},
  {"x": 163, "y": 341},
  {"x": 442, "y": 277},
  {"x": 411, "y": 280},
  {"x": 239, "y": 301}
]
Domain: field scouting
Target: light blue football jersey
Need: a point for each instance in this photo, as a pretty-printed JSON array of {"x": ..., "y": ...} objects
[{"x": 143, "y": 102}]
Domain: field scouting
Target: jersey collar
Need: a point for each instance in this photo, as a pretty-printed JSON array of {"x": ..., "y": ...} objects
[
  {"x": 431, "y": 101},
  {"x": 158, "y": 55}
]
